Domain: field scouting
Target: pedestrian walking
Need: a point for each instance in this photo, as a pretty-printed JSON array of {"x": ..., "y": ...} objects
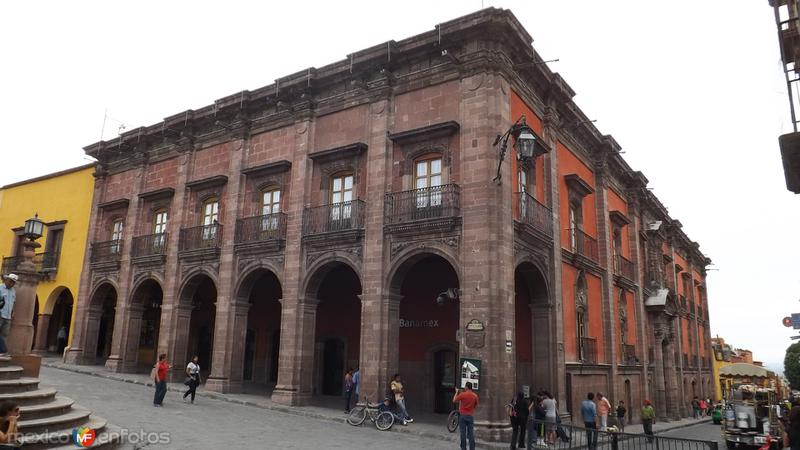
[
  {"x": 539, "y": 419},
  {"x": 603, "y": 408},
  {"x": 348, "y": 390},
  {"x": 9, "y": 415},
  {"x": 648, "y": 419},
  {"x": 467, "y": 402},
  {"x": 160, "y": 379},
  {"x": 519, "y": 420},
  {"x": 695, "y": 407},
  {"x": 61, "y": 339},
  {"x": 8, "y": 296},
  {"x": 400, "y": 398},
  {"x": 621, "y": 412},
  {"x": 551, "y": 416},
  {"x": 192, "y": 377},
  {"x": 703, "y": 407},
  {"x": 589, "y": 415}
]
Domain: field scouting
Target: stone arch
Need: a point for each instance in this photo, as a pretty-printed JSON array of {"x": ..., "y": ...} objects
[
  {"x": 407, "y": 258},
  {"x": 196, "y": 323},
  {"x": 259, "y": 292},
  {"x": 320, "y": 268},
  {"x": 56, "y": 314},
  {"x": 533, "y": 325},
  {"x": 137, "y": 284},
  {"x": 143, "y": 326},
  {"x": 50, "y": 303},
  {"x": 250, "y": 274},
  {"x": 190, "y": 283},
  {"x": 101, "y": 315}
]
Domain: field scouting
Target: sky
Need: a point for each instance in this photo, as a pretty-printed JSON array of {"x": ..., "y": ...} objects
[{"x": 692, "y": 90}]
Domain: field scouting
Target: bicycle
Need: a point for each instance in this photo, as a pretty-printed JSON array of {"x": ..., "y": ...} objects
[
  {"x": 452, "y": 420},
  {"x": 383, "y": 420}
]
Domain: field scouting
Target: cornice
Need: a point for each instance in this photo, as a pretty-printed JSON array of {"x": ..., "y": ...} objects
[
  {"x": 437, "y": 130},
  {"x": 158, "y": 194},
  {"x": 344, "y": 151},
  {"x": 578, "y": 185},
  {"x": 268, "y": 168},
  {"x": 217, "y": 180},
  {"x": 113, "y": 204}
]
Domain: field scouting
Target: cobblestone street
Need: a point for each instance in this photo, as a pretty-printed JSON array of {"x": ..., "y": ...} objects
[{"x": 213, "y": 423}]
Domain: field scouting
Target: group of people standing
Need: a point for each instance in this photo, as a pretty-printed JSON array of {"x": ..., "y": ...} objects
[
  {"x": 543, "y": 408},
  {"x": 701, "y": 407},
  {"x": 159, "y": 376}
]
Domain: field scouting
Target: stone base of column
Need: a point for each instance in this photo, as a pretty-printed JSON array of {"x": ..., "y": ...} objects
[
  {"x": 30, "y": 364},
  {"x": 290, "y": 397},
  {"x": 74, "y": 355},
  {"x": 222, "y": 385},
  {"x": 115, "y": 364},
  {"x": 492, "y": 431}
]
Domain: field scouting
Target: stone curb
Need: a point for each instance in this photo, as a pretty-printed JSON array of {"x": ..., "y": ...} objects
[{"x": 449, "y": 437}]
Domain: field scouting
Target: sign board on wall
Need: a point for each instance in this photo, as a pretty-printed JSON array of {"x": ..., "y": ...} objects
[{"x": 470, "y": 371}]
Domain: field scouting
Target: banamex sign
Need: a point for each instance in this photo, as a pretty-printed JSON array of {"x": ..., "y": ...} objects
[{"x": 419, "y": 323}]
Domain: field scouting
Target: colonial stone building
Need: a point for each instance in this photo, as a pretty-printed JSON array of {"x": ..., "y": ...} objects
[{"x": 352, "y": 215}]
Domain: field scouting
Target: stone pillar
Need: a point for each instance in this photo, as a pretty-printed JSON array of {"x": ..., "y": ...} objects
[
  {"x": 132, "y": 331},
  {"x": 20, "y": 337},
  {"x": 542, "y": 352},
  {"x": 234, "y": 347},
  {"x": 42, "y": 327},
  {"x": 638, "y": 258},
  {"x": 659, "y": 389},
  {"x": 177, "y": 341},
  {"x": 670, "y": 375},
  {"x": 295, "y": 375}
]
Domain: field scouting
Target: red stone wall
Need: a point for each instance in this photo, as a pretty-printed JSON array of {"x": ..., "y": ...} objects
[{"x": 161, "y": 174}]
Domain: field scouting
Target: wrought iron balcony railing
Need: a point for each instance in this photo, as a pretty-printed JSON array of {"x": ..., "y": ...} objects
[
  {"x": 343, "y": 216},
  {"x": 624, "y": 267},
  {"x": 529, "y": 211},
  {"x": 108, "y": 251},
  {"x": 587, "y": 350},
  {"x": 422, "y": 204},
  {"x": 201, "y": 237},
  {"x": 582, "y": 244},
  {"x": 149, "y": 245},
  {"x": 43, "y": 262},
  {"x": 261, "y": 228}
]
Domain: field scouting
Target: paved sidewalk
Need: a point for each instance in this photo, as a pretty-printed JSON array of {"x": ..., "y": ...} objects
[{"x": 428, "y": 426}]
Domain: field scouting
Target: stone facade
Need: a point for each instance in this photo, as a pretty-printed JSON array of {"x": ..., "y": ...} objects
[{"x": 383, "y": 166}]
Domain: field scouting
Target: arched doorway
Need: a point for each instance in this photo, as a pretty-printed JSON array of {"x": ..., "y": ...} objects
[
  {"x": 532, "y": 329},
  {"x": 100, "y": 330},
  {"x": 145, "y": 323},
  {"x": 337, "y": 331},
  {"x": 427, "y": 344},
  {"x": 61, "y": 318},
  {"x": 200, "y": 294},
  {"x": 261, "y": 289}
]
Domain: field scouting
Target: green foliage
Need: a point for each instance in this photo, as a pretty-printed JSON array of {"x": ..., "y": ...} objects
[{"x": 791, "y": 365}]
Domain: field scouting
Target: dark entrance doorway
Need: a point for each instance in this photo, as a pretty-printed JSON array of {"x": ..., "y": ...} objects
[
  {"x": 532, "y": 329},
  {"x": 148, "y": 296},
  {"x": 201, "y": 324},
  {"x": 262, "y": 290},
  {"x": 333, "y": 367},
  {"x": 106, "y": 328},
  {"x": 61, "y": 318},
  {"x": 444, "y": 380}
]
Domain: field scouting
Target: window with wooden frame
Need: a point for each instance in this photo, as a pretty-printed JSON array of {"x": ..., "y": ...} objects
[
  {"x": 270, "y": 207},
  {"x": 210, "y": 218},
  {"x": 427, "y": 178},
  {"x": 341, "y": 196},
  {"x": 575, "y": 222},
  {"x": 582, "y": 318},
  {"x": 522, "y": 189},
  {"x": 160, "y": 218},
  {"x": 117, "y": 228}
]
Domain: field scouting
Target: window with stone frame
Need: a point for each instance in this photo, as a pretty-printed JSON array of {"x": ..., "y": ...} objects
[
  {"x": 577, "y": 189},
  {"x": 270, "y": 207},
  {"x": 341, "y": 196},
  {"x": 575, "y": 222},
  {"x": 210, "y": 218},
  {"x": 582, "y": 317}
]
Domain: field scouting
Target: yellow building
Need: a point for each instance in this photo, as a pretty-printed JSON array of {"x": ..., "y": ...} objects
[{"x": 62, "y": 200}]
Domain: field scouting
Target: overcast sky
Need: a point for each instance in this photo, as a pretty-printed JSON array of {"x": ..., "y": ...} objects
[{"x": 692, "y": 90}]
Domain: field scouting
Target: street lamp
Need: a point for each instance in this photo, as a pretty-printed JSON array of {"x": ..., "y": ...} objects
[
  {"x": 448, "y": 295},
  {"x": 525, "y": 143},
  {"x": 33, "y": 228}
]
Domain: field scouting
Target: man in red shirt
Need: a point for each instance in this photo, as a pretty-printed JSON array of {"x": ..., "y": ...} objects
[
  {"x": 160, "y": 379},
  {"x": 467, "y": 402}
]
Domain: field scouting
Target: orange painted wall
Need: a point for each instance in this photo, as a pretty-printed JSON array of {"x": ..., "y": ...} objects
[
  {"x": 518, "y": 109},
  {"x": 568, "y": 163},
  {"x": 616, "y": 203},
  {"x": 594, "y": 287}
]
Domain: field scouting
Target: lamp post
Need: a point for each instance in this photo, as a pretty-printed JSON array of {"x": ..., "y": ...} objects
[
  {"x": 528, "y": 146},
  {"x": 20, "y": 338}
]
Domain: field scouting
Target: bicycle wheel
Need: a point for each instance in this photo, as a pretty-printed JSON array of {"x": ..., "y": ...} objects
[
  {"x": 384, "y": 421},
  {"x": 452, "y": 420},
  {"x": 357, "y": 416}
]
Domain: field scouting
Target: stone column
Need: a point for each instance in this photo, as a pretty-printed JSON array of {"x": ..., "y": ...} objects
[
  {"x": 132, "y": 331},
  {"x": 180, "y": 316},
  {"x": 658, "y": 375},
  {"x": 42, "y": 327},
  {"x": 670, "y": 374},
  {"x": 20, "y": 337},
  {"x": 295, "y": 375},
  {"x": 382, "y": 360},
  {"x": 234, "y": 347},
  {"x": 638, "y": 258}
]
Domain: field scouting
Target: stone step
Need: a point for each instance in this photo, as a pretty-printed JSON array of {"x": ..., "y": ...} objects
[
  {"x": 74, "y": 417},
  {"x": 10, "y": 372},
  {"x": 61, "y": 437},
  {"x": 5, "y": 361},
  {"x": 23, "y": 384},
  {"x": 34, "y": 397},
  {"x": 59, "y": 405}
]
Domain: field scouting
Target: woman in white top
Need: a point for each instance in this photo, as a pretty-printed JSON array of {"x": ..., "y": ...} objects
[{"x": 192, "y": 377}]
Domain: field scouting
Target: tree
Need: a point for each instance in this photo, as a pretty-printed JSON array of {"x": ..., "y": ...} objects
[{"x": 791, "y": 365}]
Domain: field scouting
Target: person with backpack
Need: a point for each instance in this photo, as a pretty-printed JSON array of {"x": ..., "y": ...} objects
[
  {"x": 538, "y": 423},
  {"x": 192, "y": 378},
  {"x": 518, "y": 413}
]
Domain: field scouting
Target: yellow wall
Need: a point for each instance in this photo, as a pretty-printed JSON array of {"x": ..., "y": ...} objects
[
  {"x": 66, "y": 196},
  {"x": 715, "y": 373}
]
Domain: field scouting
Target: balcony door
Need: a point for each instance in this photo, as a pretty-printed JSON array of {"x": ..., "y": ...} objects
[
  {"x": 427, "y": 179},
  {"x": 341, "y": 197},
  {"x": 270, "y": 207},
  {"x": 159, "y": 230},
  {"x": 117, "y": 227},
  {"x": 210, "y": 219}
]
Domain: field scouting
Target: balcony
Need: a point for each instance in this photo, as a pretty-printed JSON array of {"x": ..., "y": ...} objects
[
  {"x": 200, "y": 242},
  {"x": 624, "y": 268},
  {"x": 260, "y": 233},
  {"x": 629, "y": 355},
  {"x": 45, "y": 263},
  {"x": 150, "y": 248},
  {"x": 582, "y": 244},
  {"x": 106, "y": 254},
  {"x": 339, "y": 219},
  {"x": 587, "y": 350},
  {"x": 533, "y": 214},
  {"x": 433, "y": 208}
]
